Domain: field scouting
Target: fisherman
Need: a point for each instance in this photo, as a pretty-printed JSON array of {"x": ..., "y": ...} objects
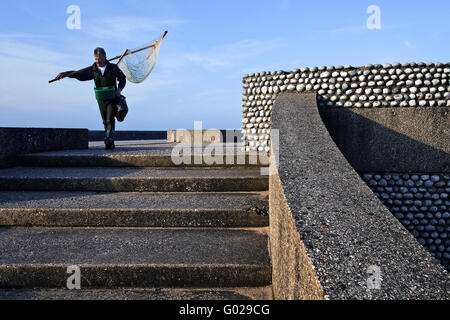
[{"x": 105, "y": 75}]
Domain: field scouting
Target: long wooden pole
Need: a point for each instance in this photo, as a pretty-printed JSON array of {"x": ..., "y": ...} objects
[
  {"x": 117, "y": 57},
  {"x": 123, "y": 55},
  {"x": 156, "y": 44}
]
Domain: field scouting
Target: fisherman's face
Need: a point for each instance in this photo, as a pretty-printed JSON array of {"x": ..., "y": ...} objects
[{"x": 100, "y": 60}]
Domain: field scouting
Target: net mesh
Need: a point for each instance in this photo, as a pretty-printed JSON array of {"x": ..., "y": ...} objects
[{"x": 137, "y": 66}]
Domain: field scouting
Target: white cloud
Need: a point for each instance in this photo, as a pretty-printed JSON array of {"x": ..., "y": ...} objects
[
  {"x": 213, "y": 93},
  {"x": 12, "y": 47},
  {"x": 408, "y": 44},
  {"x": 22, "y": 35},
  {"x": 358, "y": 29},
  {"x": 267, "y": 67},
  {"x": 26, "y": 69},
  {"x": 124, "y": 28},
  {"x": 144, "y": 92},
  {"x": 231, "y": 55},
  {"x": 349, "y": 29}
]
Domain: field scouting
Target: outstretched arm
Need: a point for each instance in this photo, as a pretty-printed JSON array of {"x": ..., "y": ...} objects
[
  {"x": 82, "y": 75},
  {"x": 62, "y": 75}
]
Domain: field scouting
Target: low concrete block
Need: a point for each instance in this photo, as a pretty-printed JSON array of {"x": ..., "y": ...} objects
[
  {"x": 120, "y": 135},
  {"x": 194, "y": 136},
  {"x": 17, "y": 141},
  {"x": 203, "y": 136}
]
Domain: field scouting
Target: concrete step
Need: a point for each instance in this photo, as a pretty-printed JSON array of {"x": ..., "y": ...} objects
[
  {"x": 58, "y": 159},
  {"x": 118, "y": 257},
  {"x": 258, "y": 293},
  {"x": 147, "y": 154},
  {"x": 134, "y": 209},
  {"x": 153, "y": 179}
]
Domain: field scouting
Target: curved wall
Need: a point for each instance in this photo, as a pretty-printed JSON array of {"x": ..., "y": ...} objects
[
  {"x": 403, "y": 154},
  {"x": 408, "y": 85},
  {"x": 389, "y": 121},
  {"x": 328, "y": 230}
]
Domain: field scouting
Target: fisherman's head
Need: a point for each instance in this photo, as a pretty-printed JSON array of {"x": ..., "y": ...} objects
[{"x": 100, "y": 56}]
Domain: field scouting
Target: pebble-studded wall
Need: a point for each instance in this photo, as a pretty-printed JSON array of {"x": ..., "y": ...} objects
[
  {"x": 371, "y": 86},
  {"x": 420, "y": 201}
]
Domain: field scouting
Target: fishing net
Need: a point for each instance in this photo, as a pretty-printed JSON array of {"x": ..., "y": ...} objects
[{"x": 137, "y": 65}]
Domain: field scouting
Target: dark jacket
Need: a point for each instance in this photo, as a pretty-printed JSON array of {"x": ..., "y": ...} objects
[{"x": 111, "y": 71}]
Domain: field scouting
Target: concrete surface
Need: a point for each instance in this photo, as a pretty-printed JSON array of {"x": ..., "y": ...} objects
[
  {"x": 137, "y": 257},
  {"x": 205, "y": 239},
  {"x": 99, "y": 135},
  {"x": 147, "y": 153},
  {"x": 344, "y": 228},
  {"x": 132, "y": 179},
  {"x": 132, "y": 209},
  {"x": 258, "y": 293},
  {"x": 392, "y": 140},
  {"x": 17, "y": 141}
]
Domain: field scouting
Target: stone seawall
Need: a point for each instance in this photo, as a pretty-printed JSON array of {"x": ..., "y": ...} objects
[{"x": 371, "y": 86}]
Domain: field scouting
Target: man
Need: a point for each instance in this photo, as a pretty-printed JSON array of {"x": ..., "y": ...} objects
[{"x": 105, "y": 74}]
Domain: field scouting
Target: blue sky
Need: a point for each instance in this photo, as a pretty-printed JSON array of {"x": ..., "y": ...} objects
[{"x": 211, "y": 44}]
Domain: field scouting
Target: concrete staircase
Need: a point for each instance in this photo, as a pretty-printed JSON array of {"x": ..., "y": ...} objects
[{"x": 136, "y": 225}]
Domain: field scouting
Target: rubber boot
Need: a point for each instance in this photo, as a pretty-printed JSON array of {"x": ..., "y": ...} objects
[{"x": 109, "y": 139}]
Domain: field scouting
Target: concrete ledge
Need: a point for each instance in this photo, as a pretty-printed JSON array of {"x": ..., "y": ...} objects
[
  {"x": 178, "y": 135},
  {"x": 134, "y": 209},
  {"x": 327, "y": 228},
  {"x": 120, "y": 135},
  {"x": 134, "y": 257},
  {"x": 17, "y": 141},
  {"x": 124, "y": 179},
  {"x": 236, "y": 293},
  {"x": 138, "y": 275}
]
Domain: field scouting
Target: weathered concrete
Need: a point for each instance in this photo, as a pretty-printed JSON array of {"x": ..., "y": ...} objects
[
  {"x": 146, "y": 153},
  {"x": 259, "y": 293},
  {"x": 141, "y": 275},
  {"x": 132, "y": 179},
  {"x": 166, "y": 135},
  {"x": 343, "y": 227},
  {"x": 293, "y": 272},
  {"x": 38, "y": 257},
  {"x": 120, "y": 135},
  {"x": 206, "y": 136},
  {"x": 130, "y": 209},
  {"x": 17, "y": 141},
  {"x": 386, "y": 139},
  {"x": 194, "y": 136},
  {"x": 133, "y": 239}
]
